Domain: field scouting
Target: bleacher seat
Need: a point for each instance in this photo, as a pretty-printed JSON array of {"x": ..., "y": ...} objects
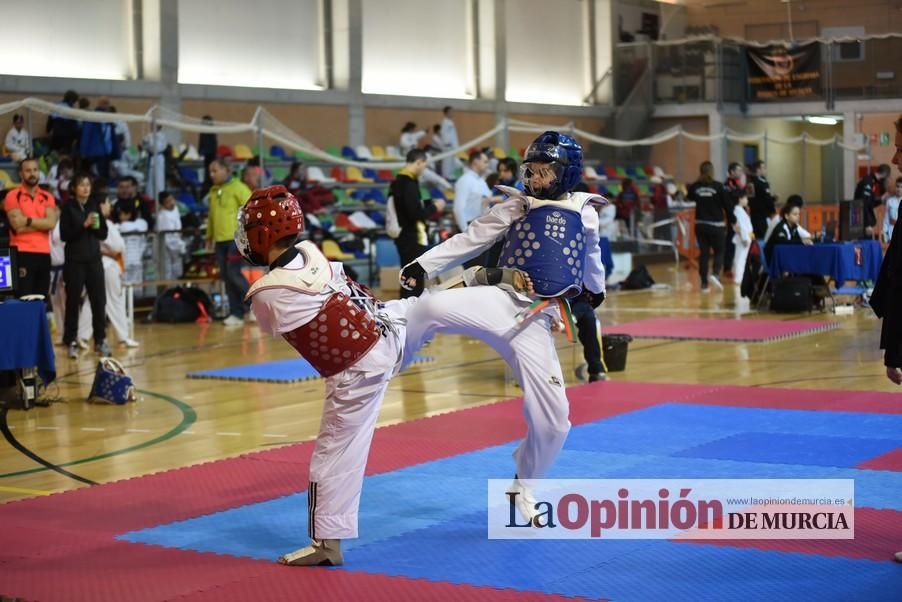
[
  {"x": 353, "y": 174},
  {"x": 278, "y": 152},
  {"x": 6, "y": 180},
  {"x": 342, "y": 197},
  {"x": 376, "y": 194},
  {"x": 334, "y": 151},
  {"x": 621, "y": 173},
  {"x": 348, "y": 153},
  {"x": 363, "y": 153},
  {"x": 499, "y": 153},
  {"x": 387, "y": 253},
  {"x": 316, "y": 174},
  {"x": 386, "y": 175},
  {"x": 188, "y": 200},
  {"x": 189, "y": 174},
  {"x": 372, "y": 174},
  {"x": 224, "y": 150},
  {"x": 338, "y": 174},
  {"x": 243, "y": 152},
  {"x": 378, "y": 152},
  {"x": 589, "y": 173},
  {"x": 392, "y": 152},
  {"x": 515, "y": 154},
  {"x": 611, "y": 172}
]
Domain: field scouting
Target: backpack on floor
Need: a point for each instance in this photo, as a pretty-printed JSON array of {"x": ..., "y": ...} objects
[
  {"x": 638, "y": 279},
  {"x": 179, "y": 304},
  {"x": 792, "y": 295}
]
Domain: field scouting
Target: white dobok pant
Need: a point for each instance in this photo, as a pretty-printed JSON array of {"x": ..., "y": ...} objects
[
  {"x": 489, "y": 314},
  {"x": 115, "y": 305},
  {"x": 353, "y": 400}
]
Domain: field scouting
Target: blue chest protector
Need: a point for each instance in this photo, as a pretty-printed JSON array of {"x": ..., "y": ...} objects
[{"x": 549, "y": 244}]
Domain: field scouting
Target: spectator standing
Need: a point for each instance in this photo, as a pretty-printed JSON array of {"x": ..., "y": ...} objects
[
  {"x": 712, "y": 213},
  {"x": 471, "y": 193},
  {"x": 169, "y": 224},
  {"x": 743, "y": 233},
  {"x": 97, "y": 142},
  {"x": 762, "y": 202},
  {"x": 412, "y": 212},
  {"x": 127, "y": 195},
  {"x": 207, "y": 145},
  {"x": 155, "y": 144},
  {"x": 32, "y": 214},
  {"x": 410, "y": 137},
  {"x": 63, "y": 131},
  {"x": 627, "y": 203},
  {"x": 735, "y": 186},
  {"x": 82, "y": 227},
  {"x": 18, "y": 140},
  {"x": 891, "y": 216},
  {"x": 886, "y": 299},
  {"x": 871, "y": 191},
  {"x": 111, "y": 250},
  {"x": 134, "y": 236},
  {"x": 227, "y": 196},
  {"x": 449, "y": 141}
]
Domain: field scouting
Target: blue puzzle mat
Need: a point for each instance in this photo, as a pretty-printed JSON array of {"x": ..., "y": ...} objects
[
  {"x": 428, "y": 521},
  {"x": 281, "y": 371}
]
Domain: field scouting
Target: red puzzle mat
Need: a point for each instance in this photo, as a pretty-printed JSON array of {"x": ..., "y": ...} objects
[
  {"x": 749, "y": 331},
  {"x": 63, "y": 546}
]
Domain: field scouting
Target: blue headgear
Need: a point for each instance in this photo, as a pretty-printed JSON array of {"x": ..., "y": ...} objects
[{"x": 565, "y": 156}]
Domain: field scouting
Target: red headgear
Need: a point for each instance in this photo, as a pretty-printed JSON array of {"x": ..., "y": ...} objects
[{"x": 270, "y": 214}]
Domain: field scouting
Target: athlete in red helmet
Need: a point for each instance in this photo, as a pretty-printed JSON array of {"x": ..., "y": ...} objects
[{"x": 353, "y": 340}]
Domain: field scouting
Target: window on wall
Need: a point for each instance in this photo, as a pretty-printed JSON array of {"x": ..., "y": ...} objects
[
  {"x": 418, "y": 48},
  {"x": 268, "y": 44},
  {"x": 546, "y": 52},
  {"x": 89, "y": 39}
]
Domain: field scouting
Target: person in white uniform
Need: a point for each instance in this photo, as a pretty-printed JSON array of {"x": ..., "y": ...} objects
[
  {"x": 742, "y": 237},
  {"x": 155, "y": 145},
  {"x": 450, "y": 141},
  {"x": 552, "y": 234},
  {"x": 354, "y": 341}
]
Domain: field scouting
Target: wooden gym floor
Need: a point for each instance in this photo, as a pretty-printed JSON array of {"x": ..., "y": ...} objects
[{"x": 179, "y": 421}]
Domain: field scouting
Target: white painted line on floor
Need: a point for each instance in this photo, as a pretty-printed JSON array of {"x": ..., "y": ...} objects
[
  {"x": 137, "y": 430},
  {"x": 187, "y": 432},
  {"x": 47, "y": 428},
  {"x": 274, "y": 435},
  {"x": 92, "y": 429},
  {"x": 229, "y": 434}
]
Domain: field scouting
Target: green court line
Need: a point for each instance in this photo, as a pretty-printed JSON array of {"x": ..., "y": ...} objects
[{"x": 189, "y": 417}]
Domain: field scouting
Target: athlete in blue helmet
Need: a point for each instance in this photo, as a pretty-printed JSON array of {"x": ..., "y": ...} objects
[{"x": 551, "y": 233}]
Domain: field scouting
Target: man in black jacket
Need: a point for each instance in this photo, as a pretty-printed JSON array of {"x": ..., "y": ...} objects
[
  {"x": 762, "y": 203},
  {"x": 871, "y": 191},
  {"x": 82, "y": 227},
  {"x": 886, "y": 299},
  {"x": 412, "y": 212}
]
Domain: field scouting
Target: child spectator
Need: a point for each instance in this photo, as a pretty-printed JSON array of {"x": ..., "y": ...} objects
[{"x": 169, "y": 224}]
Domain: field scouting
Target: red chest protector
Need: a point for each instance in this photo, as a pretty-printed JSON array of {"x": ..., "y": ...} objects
[{"x": 341, "y": 333}]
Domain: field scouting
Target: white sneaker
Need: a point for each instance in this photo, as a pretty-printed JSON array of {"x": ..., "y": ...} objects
[
  {"x": 250, "y": 317},
  {"x": 82, "y": 343},
  {"x": 521, "y": 496},
  {"x": 233, "y": 321},
  {"x": 716, "y": 282},
  {"x": 130, "y": 343}
]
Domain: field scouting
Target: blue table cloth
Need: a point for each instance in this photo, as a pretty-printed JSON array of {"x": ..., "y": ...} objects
[
  {"x": 25, "y": 338},
  {"x": 858, "y": 261}
]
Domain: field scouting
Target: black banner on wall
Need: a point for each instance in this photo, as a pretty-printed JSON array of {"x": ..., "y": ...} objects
[{"x": 777, "y": 72}]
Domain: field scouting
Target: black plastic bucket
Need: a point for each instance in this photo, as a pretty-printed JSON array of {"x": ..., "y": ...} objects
[{"x": 615, "y": 347}]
